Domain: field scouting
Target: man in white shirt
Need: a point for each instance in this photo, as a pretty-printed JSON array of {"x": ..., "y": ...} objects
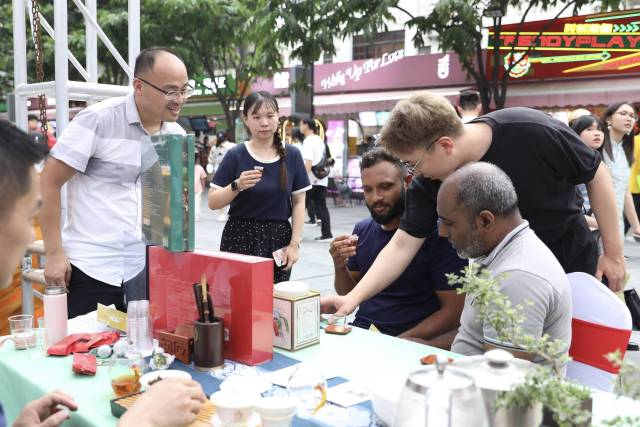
[
  {"x": 100, "y": 255},
  {"x": 313, "y": 152}
]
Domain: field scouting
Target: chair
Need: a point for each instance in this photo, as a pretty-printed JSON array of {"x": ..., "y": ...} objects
[{"x": 601, "y": 324}]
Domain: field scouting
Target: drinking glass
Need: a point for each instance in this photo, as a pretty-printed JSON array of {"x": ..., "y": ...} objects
[
  {"x": 308, "y": 386},
  {"x": 21, "y": 327},
  {"x": 40, "y": 339},
  {"x": 125, "y": 372}
]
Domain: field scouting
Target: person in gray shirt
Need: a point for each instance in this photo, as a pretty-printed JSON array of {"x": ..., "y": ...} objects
[{"x": 478, "y": 213}]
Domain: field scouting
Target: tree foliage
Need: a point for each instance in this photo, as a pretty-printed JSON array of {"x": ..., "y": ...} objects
[
  {"x": 230, "y": 41},
  {"x": 459, "y": 26}
]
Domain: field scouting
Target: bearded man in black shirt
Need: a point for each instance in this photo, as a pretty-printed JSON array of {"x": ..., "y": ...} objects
[{"x": 543, "y": 157}]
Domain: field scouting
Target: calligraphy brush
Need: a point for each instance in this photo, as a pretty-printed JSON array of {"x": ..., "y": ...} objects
[
  {"x": 205, "y": 294},
  {"x": 197, "y": 291}
]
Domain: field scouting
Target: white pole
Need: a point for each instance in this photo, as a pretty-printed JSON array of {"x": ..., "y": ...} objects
[
  {"x": 62, "y": 64},
  {"x": 103, "y": 37},
  {"x": 74, "y": 61},
  {"x": 92, "y": 43},
  {"x": 20, "y": 61},
  {"x": 134, "y": 32}
]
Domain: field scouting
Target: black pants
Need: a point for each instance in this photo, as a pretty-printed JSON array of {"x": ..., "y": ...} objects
[
  {"x": 318, "y": 194},
  {"x": 257, "y": 238},
  {"x": 85, "y": 292},
  {"x": 311, "y": 208}
]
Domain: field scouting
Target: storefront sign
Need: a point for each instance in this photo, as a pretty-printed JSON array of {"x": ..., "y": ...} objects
[
  {"x": 602, "y": 44},
  {"x": 355, "y": 71},
  {"x": 392, "y": 71}
]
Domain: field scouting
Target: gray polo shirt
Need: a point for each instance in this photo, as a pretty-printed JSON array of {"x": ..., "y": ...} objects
[
  {"x": 532, "y": 274},
  {"x": 109, "y": 149}
]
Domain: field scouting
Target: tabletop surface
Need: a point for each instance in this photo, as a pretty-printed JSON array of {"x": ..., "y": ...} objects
[{"x": 361, "y": 356}]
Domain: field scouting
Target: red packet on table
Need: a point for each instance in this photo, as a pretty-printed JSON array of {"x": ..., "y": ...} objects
[
  {"x": 84, "y": 364},
  {"x": 64, "y": 346},
  {"x": 94, "y": 340}
]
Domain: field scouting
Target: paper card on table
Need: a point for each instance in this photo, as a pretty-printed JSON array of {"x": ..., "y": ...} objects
[
  {"x": 347, "y": 394},
  {"x": 112, "y": 317},
  {"x": 373, "y": 328},
  {"x": 281, "y": 376}
]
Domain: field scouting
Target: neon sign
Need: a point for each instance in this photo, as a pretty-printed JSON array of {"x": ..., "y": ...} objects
[{"x": 577, "y": 46}]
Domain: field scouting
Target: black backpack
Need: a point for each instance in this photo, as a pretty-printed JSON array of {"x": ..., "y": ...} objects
[{"x": 323, "y": 167}]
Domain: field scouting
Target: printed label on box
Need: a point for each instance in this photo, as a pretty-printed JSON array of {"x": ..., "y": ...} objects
[
  {"x": 281, "y": 326},
  {"x": 307, "y": 321}
]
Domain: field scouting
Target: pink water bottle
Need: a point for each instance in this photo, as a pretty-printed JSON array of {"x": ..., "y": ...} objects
[{"x": 55, "y": 313}]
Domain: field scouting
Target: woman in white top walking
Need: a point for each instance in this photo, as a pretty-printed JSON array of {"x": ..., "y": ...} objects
[{"x": 617, "y": 152}]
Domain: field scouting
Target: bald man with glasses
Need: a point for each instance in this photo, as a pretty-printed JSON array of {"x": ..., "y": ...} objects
[{"x": 99, "y": 254}]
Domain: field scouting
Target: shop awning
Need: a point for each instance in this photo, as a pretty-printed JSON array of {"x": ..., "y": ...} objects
[
  {"x": 577, "y": 93},
  {"x": 345, "y": 103}
]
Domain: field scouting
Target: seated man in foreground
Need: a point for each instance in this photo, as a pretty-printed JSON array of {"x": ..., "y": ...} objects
[
  {"x": 170, "y": 403},
  {"x": 478, "y": 213},
  {"x": 420, "y": 303}
]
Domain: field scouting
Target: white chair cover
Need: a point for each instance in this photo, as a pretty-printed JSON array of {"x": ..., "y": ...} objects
[{"x": 593, "y": 302}]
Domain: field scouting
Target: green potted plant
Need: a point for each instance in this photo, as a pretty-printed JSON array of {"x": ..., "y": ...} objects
[{"x": 567, "y": 403}]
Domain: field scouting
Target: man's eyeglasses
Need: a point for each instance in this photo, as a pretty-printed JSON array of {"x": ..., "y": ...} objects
[
  {"x": 413, "y": 169},
  {"x": 171, "y": 95}
]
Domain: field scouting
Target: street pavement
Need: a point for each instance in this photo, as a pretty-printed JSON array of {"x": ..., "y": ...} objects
[{"x": 315, "y": 266}]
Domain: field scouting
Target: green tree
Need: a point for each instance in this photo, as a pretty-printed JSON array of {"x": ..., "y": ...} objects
[
  {"x": 459, "y": 26},
  {"x": 112, "y": 17},
  {"x": 230, "y": 41},
  {"x": 308, "y": 28}
]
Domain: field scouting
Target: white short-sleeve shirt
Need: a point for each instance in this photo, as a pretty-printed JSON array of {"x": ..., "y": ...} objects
[
  {"x": 313, "y": 149},
  {"x": 105, "y": 144}
]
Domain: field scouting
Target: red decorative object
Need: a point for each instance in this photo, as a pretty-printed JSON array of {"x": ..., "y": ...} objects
[
  {"x": 82, "y": 343},
  {"x": 179, "y": 342},
  {"x": 241, "y": 288},
  {"x": 84, "y": 364},
  {"x": 590, "y": 342}
]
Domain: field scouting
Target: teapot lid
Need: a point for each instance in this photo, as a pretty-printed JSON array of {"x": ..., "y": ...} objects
[
  {"x": 497, "y": 369},
  {"x": 440, "y": 376}
]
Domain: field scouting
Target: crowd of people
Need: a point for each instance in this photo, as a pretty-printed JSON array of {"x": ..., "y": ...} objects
[{"x": 516, "y": 190}]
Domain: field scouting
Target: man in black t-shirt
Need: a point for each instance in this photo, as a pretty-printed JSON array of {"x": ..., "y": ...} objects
[{"x": 543, "y": 157}]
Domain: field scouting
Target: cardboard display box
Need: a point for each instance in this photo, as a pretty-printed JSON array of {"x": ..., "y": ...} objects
[
  {"x": 296, "y": 321},
  {"x": 241, "y": 289},
  {"x": 168, "y": 197}
]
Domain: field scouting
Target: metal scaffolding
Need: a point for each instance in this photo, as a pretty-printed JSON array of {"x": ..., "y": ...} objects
[{"x": 63, "y": 89}]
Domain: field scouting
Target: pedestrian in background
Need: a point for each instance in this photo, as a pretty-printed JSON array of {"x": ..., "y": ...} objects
[
  {"x": 216, "y": 155},
  {"x": 264, "y": 182},
  {"x": 617, "y": 153},
  {"x": 315, "y": 151},
  {"x": 590, "y": 129}
]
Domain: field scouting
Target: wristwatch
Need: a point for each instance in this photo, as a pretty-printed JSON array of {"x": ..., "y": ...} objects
[{"x": 234, "y": 186}]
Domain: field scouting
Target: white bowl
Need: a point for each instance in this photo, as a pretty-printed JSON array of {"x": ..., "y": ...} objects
[
  {"x": 291, "y": 289},
  {"x": 234, "y": 409},
  {"x": 277, "y": 422},
  {"x": 245, "y": 384},
  {"x": 276, "y": 407},
  {"x": 169, "y": 373}
]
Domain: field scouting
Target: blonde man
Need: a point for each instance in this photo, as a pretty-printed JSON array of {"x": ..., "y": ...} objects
[{"x": 543, "y": 157}]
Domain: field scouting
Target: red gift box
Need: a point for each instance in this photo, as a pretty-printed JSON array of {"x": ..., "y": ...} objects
[
  {"x": 84, "y": 364},
  {"x": 241, "y": 288}
]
